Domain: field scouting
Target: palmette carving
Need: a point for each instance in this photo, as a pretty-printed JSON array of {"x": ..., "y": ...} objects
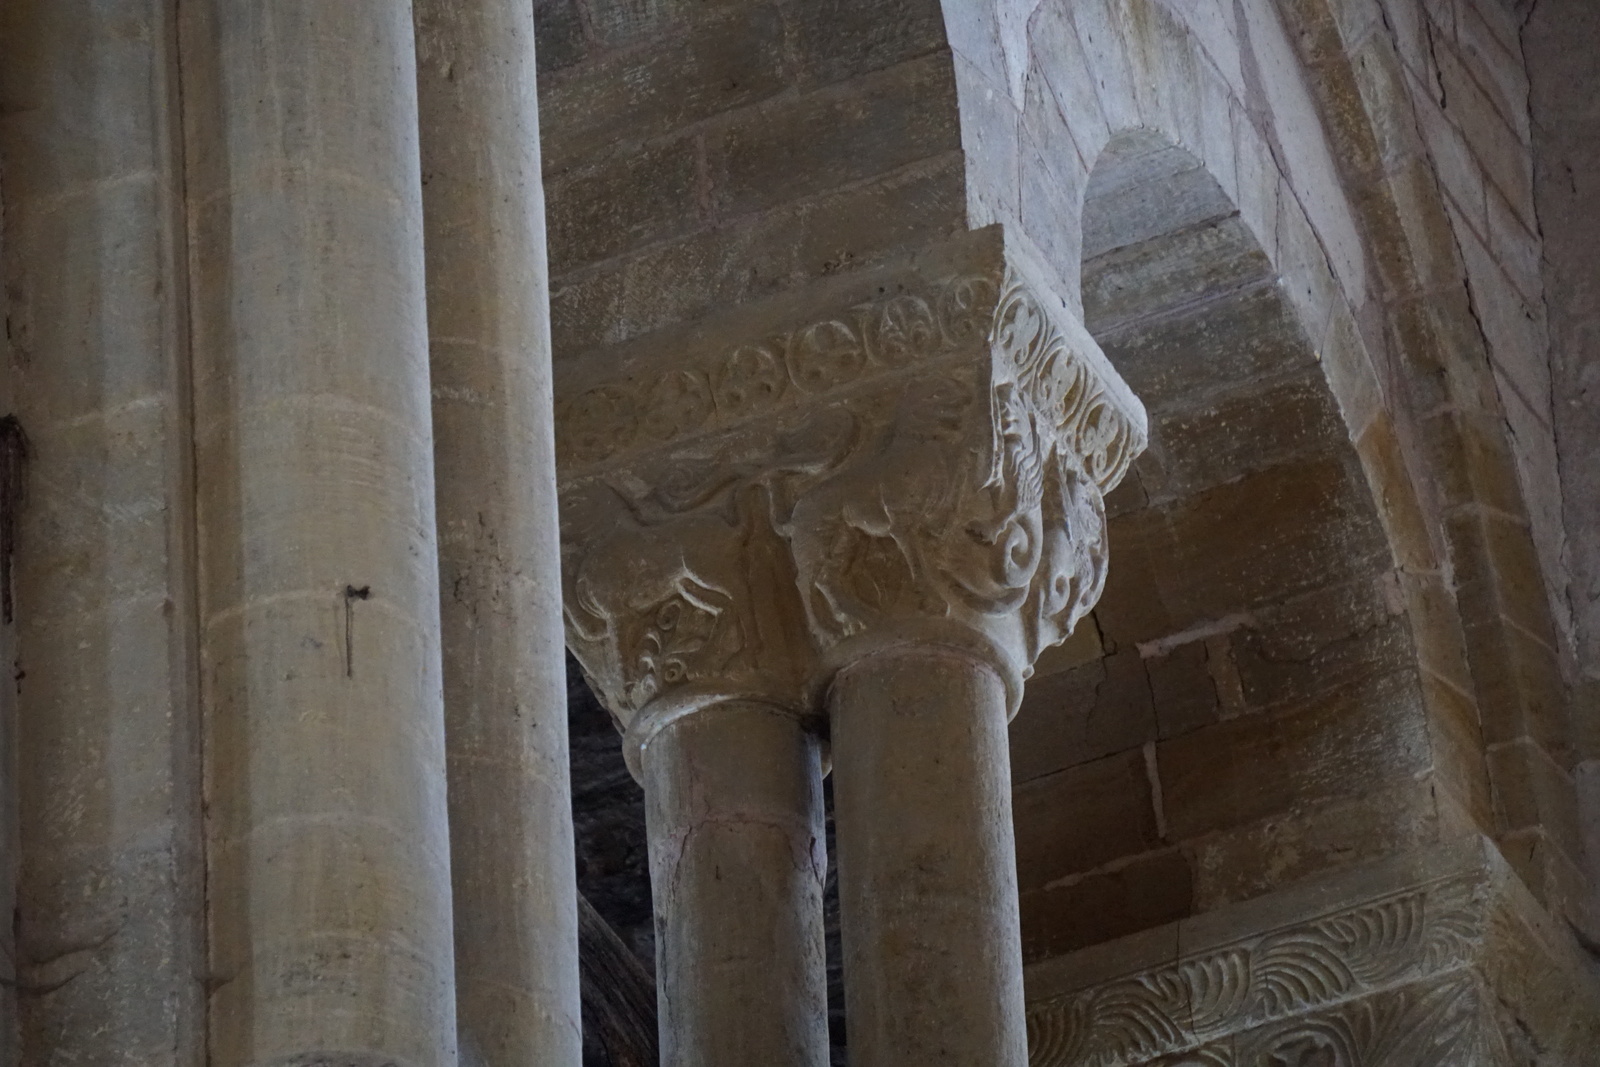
[
  {"x": 1433, "y": 1023},
  {"x": 766, "y": 377},
  {"x": 1281, "y": 990},
  {"x": 930, "y": 463}
]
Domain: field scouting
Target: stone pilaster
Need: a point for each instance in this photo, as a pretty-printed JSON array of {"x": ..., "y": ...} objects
[{"x": 877, "y": 499}]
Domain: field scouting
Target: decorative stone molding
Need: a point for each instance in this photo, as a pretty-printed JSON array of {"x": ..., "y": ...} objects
[
  {"x": 1430, "y": 963},
  {"x": 919, "y": 451}
]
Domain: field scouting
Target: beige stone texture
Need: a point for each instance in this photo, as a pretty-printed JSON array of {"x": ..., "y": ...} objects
[
  {"x": 738, "y": 861},
  {"x": 928, "y": 880},
  {"x": 328, "y": 886},
  {"x": 900, "y": 464},
  {"x": 1563, "y": 122},
  {"x": 106, "y": 911},
  {"x": 511, "y": 852},
  {"x": 1141, "y": 447},
  {"x": 1440, "y": 956}
]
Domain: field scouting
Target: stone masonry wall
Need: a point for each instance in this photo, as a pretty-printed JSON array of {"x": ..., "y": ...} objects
[
  {"x": 1559, "y": 41},
  {"x": 1466, "y": 79},
  {"x": 1382, "y": 155},
  {"x": 699, "y": 155}
]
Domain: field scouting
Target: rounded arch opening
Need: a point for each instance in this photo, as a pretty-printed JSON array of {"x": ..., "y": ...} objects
[{"x": 1244, "y": 709}]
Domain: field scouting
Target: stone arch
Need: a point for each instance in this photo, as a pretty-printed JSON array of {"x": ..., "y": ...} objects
[
  {"x": 1057, "y": 99},
  {"x": 1299, "y": 112},
  {"x": 1250, "y": 707},
  {"x": 1505, "y": 557}
]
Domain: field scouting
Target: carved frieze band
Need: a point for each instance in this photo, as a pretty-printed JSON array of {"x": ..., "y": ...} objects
[
  {"x": 1379, "y": 985},
  {"x": 1442, "y": 1022},
  {"x": 908, "y": 331},
  {"x": 761, "y": 378}
]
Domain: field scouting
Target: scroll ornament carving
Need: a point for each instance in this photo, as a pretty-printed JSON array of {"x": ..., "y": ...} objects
[
  {"x": 664, "y": 604},
  {"x": 1277, "y": 987},
  {"x": 1434, "y": 1023},
  {"x": 934, "y": 458},
  {"x": 980, "y": 517}
]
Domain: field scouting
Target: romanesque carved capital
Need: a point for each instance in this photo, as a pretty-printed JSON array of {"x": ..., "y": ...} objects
[
  {"x": 972, "y": 511},
  {"x": 914, "y": 452}
]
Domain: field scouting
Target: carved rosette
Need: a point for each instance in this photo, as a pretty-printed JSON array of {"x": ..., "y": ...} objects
[{"x": 919, "y": 452}]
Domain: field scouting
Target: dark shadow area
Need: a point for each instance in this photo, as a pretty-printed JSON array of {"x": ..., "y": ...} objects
[{"x": 614, "y": 862}]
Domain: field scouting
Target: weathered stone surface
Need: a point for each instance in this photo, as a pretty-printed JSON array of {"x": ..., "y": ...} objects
[
  {"x": 1082, "y": 714},
  {"x": 328, "y": 889},
  {"x": 1138, "y": 894},
  {"x": 514, "y": 912},
  {"x": 681, "y": 281},
  {"x": 912, "y": 456},
  {"x": 103, "y": 868},
  {"x": 910, "y": 389},
  {"x": 629, "y": 96},
  {"x": 1441, "y": 957},
  {"x": 1341, "y": 248},
  {"x": 1336, "y": 745},
  {"x": 1082, "y": 817},
  {"x": 796, "y": 147},
  {"x": 605, "y": 209}
]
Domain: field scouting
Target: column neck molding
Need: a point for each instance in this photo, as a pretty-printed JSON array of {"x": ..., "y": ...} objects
[{"x": 917, "y": 452}]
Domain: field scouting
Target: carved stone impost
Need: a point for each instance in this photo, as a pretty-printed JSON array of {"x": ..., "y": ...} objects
[
  {"x": 917, "y": 452},
  {"x": 1439, "y": 957}
]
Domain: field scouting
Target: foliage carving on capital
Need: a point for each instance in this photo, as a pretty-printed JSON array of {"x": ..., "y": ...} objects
[
  {"x": 980, "y": 500},
  {"x": 663, "y": 602},
  {"x": 934, "y": 449}
]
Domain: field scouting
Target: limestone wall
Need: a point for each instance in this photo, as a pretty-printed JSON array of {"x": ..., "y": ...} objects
[
  {"x": 705, "y": 154},
  {"x": 1338, "y": 600},
  {"x": 1557, "y": 39}
]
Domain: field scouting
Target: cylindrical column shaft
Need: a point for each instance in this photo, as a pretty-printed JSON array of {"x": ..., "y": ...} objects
[
  {"x": 516, "y": 932},
  {"x": 927, "y": 862},
  {"x": 328, "y": 851},
  {"x": 110, "y": 946},
  {"x": 733, "y": 807}
]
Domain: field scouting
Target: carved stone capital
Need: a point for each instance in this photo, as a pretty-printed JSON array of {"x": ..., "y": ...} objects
[{"x": 917, "y": 452}]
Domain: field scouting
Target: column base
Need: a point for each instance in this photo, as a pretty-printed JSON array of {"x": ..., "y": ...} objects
[{"x": 1438, "y": 959}]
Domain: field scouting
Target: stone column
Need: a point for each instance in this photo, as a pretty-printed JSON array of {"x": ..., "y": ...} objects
[
  {"x": 110, "y": 951},
  {"x": 927, "y": 863},
  {"x": 516, "y": 918},
  {"x": 882, "y": 495},
  {"x": 936, "y": 561},
  {"x": 687, "y": 624},
  {"x": 733, "y": 798},
  {"x": 328, "y": 852}
]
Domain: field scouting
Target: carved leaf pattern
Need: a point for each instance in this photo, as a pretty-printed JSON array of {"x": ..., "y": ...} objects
[
  {"x": 1279, "y": 978},
  {"x": 1427, "y": 1024},
  {"x": 954, "y": 470},
  {"x": 1015, "y": 546}
]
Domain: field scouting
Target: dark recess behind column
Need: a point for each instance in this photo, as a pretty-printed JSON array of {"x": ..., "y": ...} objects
[{"x": 614, "y": 878}]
